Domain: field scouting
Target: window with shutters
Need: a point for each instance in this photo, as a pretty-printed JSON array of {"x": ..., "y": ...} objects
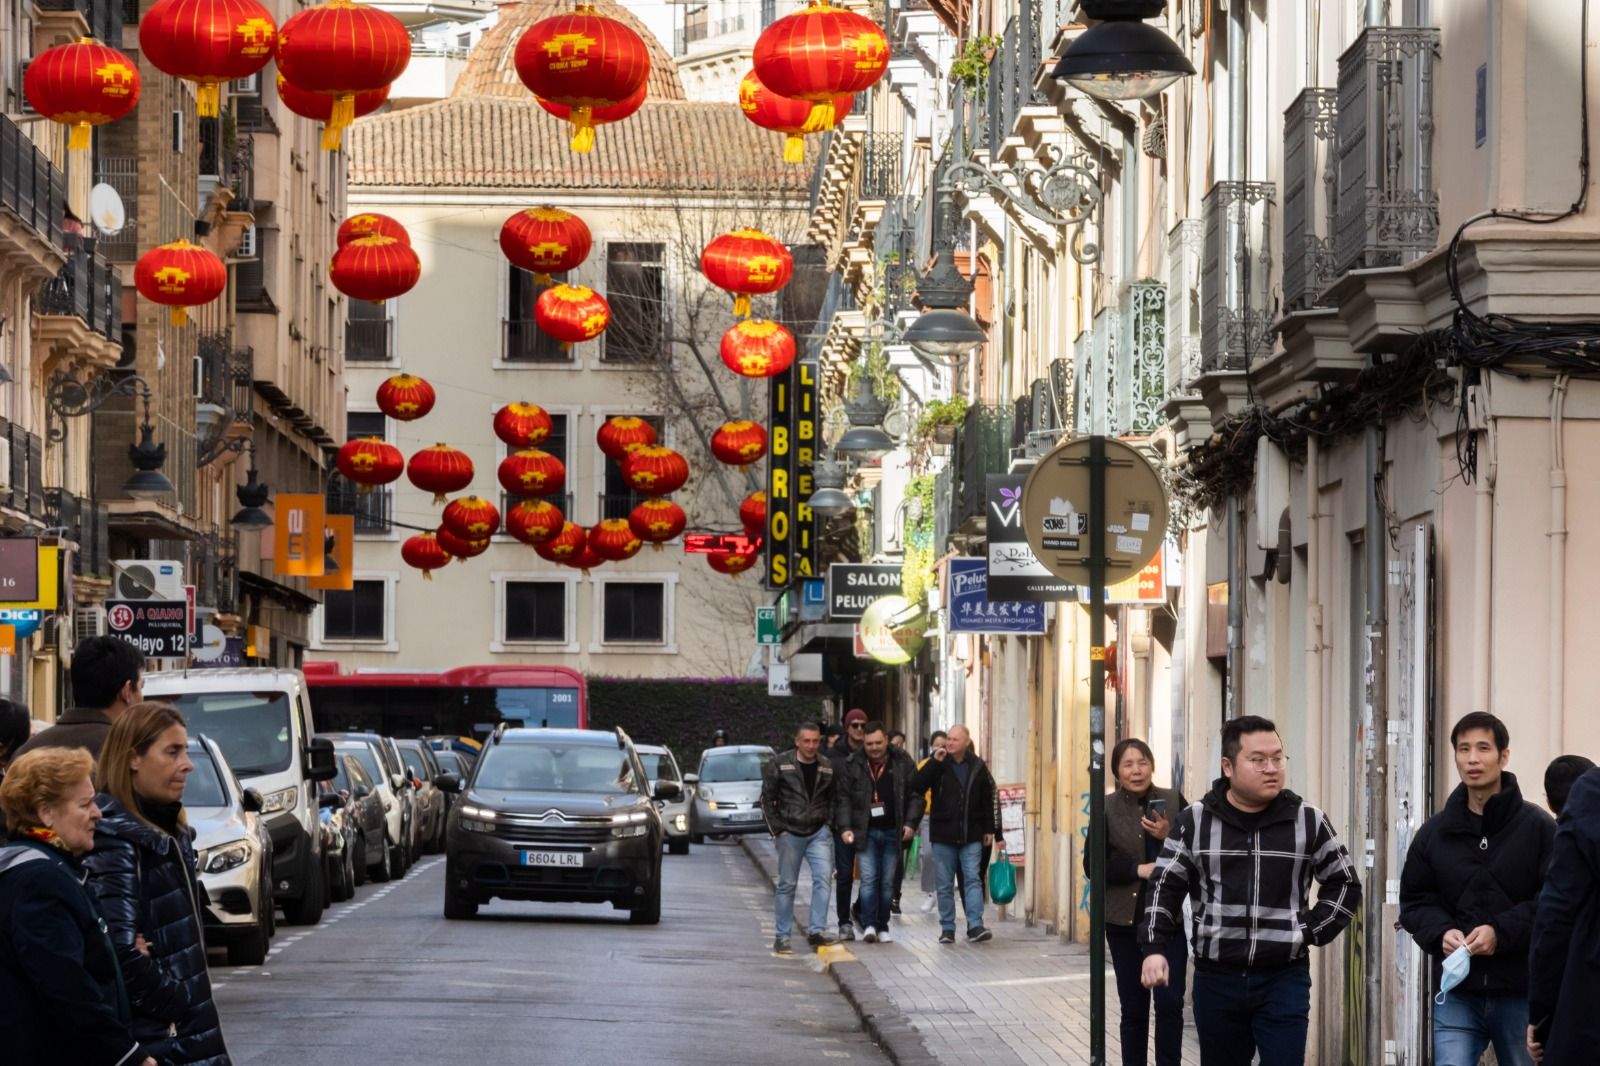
[
  {"x": 634, "y": 612},
  {"x": 525, "y": 342},
  {"x": 358, "y": 615},
  {"x": 535, "y": 612}
]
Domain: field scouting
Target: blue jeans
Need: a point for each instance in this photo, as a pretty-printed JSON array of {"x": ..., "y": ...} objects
[
  {"x": 817, "y": 851},
  {"x": 1469, "y": 1021},
  {"x": 880, "y": 855},
  {"x": 1238, "y": 1012},
  {"x": 946, "y": 857}
]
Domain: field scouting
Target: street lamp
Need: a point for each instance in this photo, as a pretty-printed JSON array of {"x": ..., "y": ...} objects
[
  {"x": 829, "y": 498},
  {"x": 865, "y": 439},
  {"x": 945, "y": 330},
  {"x": 253, "y": 494},
  {"x": 1122, "y": 58},
  {"x": 69, "y": 398}
]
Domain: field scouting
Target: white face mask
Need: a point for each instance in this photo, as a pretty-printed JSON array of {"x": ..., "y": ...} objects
[{"x": 1456, "y": 968}]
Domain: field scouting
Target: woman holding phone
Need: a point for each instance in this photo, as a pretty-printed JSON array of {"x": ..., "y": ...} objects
[{"x": 1138, "y": 817}]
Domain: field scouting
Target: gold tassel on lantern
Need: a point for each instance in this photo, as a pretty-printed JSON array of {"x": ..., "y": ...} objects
[
  {"x": 344, "y": 113},
  {"x": 583, "y": 130},
  {"x": 78, "y": 139},
  {"x": 794, "y": 148},
  {"x": 427, "y": 575},
  {"x": 207, "y": 100},
  {"x": 543, "y": 279},
  {"x": 178, "y": 316},
  {"x": 820, "y": 119},
  {"x": 741, "y": 306}
]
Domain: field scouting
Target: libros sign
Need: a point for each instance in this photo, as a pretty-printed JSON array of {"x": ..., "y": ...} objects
[{"x": 853, "y": 586}]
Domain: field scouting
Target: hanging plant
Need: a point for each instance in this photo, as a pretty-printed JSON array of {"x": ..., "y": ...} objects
[
  {"x": 970, "y": 69},
  {"x": 941, "y": 415},
  {"x": 916, "y": 569},
  {"x": 873, "y": 363}
]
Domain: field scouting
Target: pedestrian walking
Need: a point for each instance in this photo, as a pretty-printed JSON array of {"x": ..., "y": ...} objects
[
  {"x": 802, "y": 800},
  {"x": 1559, "y": 777},
  {"x": 883, "y": 811},
  {"x": 1245, "y": 856},
  {"x": 963, "y": 816},
  {"x": 844, "y": 852},
  {"x": 142, "y": 870},
  {"x": 107, "y": 675},
  {"x": 61, "y": 994},
  {"x": 719, "y": 739},
  {"x": 1468, "y": 893},
  {"x": 1139, "y": 817},
  {"x": 929, "y": 876},
  {"x": 1564, "y": 955}
]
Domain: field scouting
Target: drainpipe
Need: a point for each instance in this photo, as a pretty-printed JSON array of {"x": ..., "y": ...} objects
[
  {"x": 1483, "y": 557},
  {"x": 1557, "y": 703},
  {"x": 1375, "y": 734},
  {"x": 1238, "y": 165},
  {"x": 1313, "y": 693}
]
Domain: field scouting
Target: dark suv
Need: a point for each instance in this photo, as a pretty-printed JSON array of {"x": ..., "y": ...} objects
[{"x": 557, "y": 815}]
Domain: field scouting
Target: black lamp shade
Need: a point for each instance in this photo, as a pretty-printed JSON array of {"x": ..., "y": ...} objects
[
  {"x": 148, "y": 485},
  {"x": 251, "y": 518},
  {"x": 865, "y": 443},
  {"x": 945, "y": 334},
  {"x": 1122, "y": 60},
  {"x": 830, "y": 502},
  {"x": 148, "y": 482}
]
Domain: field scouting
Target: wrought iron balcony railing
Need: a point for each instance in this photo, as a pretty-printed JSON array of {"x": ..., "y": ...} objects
[
  {"x": 1310, "y": 176},
  {"x": 373, "y": 508},
  {"x": 1184, "y": 244},
  {"x": 983, "y": 447},
  {"x": 1011, "y": 72},
  {"x": 879, "y": 171},
  {"x": 1235, "y": 275},
  {"x": 1121, "y": 364},
  {"x": 31, "y": 186},
  {"x": 525, "y": 342},
  {"x": 87, "y": 288}
]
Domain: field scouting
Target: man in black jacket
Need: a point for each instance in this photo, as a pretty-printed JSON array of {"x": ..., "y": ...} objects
[
  {"x": 1564, "y": 957},
  {"x": 963, "y": 817},
  {"x": 107, "y": 679},
  {"x": 802, "y": 798},
  {"x": 884, "y": 811},
  {"x": 1472, "y": 878},
  {"x": 844, "y": 852},
  {"x": 1245, "y": 856}
]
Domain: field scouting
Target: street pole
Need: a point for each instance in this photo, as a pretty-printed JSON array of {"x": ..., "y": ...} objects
[{"x": 1097, "y": 748}]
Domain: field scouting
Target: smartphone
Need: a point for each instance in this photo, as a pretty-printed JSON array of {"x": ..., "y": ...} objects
[{"x": 1155, "y": 809}]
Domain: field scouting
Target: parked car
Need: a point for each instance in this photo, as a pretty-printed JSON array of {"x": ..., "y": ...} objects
[
  {"x": 406, "y": 789},
  {"x": 727, "y": 791},
  {"x": 234, "y": 848},
  {"x": 661, "y": 765},
  {"x": 338, "y": 841},
  {"x": 452, "y": 762},
  {"x": 561, "y": 815},
  {"x": 374, "y": 759},
  {"x": 426, "y": 776},
  {"x": 367, "y": 819}
]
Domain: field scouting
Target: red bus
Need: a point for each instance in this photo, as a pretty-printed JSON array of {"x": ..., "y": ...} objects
[{"x": 466, "y": 701}]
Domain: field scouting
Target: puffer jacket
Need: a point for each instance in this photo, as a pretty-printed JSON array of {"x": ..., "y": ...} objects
[
  {"x": 145, "y": 882},
  {"x": 906, "y": 804},
  {"x": 1564, "y": 959},
  {"x": 787, "y": 805}
]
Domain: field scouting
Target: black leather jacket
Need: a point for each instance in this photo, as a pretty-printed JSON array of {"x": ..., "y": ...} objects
[
  {"x": 789, "y": 809},
  {"x": 907, "y": 802}
]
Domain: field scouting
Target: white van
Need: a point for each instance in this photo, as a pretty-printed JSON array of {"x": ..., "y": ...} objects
[{"x": 261, "y": 719}]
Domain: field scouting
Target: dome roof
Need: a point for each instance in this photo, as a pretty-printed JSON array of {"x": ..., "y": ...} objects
[{"x": 491, "y": 69}]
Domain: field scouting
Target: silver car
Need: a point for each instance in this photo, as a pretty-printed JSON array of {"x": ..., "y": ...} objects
[
  {"x": 235, "y": 856},
  {"x": 727, "y": 791},
  {"x": 662, "y": 765}
]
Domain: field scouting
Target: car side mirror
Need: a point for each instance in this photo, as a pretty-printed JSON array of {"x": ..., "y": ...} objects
[
  {"x": 668, "y": 790},
  {"x": 252, "y": 801},
  {"x": 691, "y": 779},
  {"x": 447, "y": 782},
  {"x": 362, "y": 792},
  {"x": 320, "y": 765},
  {"x": 331, "y": 801}
]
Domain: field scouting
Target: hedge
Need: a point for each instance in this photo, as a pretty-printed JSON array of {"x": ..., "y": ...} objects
[{"x": 684, "y": 712}]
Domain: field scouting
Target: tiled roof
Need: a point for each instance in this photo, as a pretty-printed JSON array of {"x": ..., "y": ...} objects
[{"x": 494, "y": 143}]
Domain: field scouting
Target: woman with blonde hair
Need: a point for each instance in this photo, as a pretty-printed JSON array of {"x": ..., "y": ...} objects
[
  {"x": 61, "y": 993},
  {"x": 143, "y": 872}
]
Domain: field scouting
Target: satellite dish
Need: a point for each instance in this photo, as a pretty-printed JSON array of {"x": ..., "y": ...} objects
[{"x": 106, "y": 210}]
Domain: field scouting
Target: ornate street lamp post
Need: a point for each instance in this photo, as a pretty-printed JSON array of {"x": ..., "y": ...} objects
[{"x": 1122, "y": 58}]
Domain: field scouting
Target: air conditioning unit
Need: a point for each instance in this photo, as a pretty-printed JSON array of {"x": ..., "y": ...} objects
[
  {"x": 5, "y": 465},
  {"x": 250, "y": 86},
  {"x": 248, "y": 248},
  {"x": 147, "y": 579},
  {"x": 88, "y": 622}
]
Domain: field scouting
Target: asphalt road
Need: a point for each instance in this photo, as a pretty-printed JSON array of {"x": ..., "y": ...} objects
[{"x": 386, "y": 980}]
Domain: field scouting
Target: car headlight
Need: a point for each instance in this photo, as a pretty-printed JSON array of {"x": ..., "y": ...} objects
[
  {"x": 226, "y": 857},
  {"x": 624, "y": 831},
  {"x": 477, "y": 819},
  {"x": 681, "y": 824},
  {"x": 282, "y": 800},
  {"x": 629, "y": 818},
  {"x": 706, "y": 793}
]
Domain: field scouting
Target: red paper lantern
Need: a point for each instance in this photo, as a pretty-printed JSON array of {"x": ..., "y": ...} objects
[
  {"x": 80, "y": 85},
  {"x": 783, "y": 114},
  {"x": 545, "y": 241},
  {"x": 207, "y": 42},
  {"x": 731, "y": 563},
  {"x": 753, "y": 513},
  {"x": 471, "y": 518},
  {"x": 534, "y": 521},
  {"x": 405, "y": 397},
  {"x": 375, "y": 268},
  {"x": 424, "y": 552},
  {"x": 341, "y": 49},
  {"x": 523, "y": 425},
  {"x": 571, "y": 313},
  {"x": 531, "y": 472},
  {"x": 370, "y": 461},
  {"x": 620, "y": 434},
  {"x": 657, "y": 521},
  {"x": 757, "y": 348},
  {"x": 600, "y": 116},
  {"x": 747, "y": 263},
  {"x": 319, "y": 108},
  {"x": 461, "y": 548},
  {"x": 614, "y": 540},
  {"x": 739, "y": 443},
  {"x": 568, "y": 541},
  {"x": 655, "y": 470},
  {"x": 370, "y": 224},
  {"x": 440, "y": 470},
  {"x": 582, "y": 61},
  {"x": 818, "y": 54},
  {"x": 585, "y": 559},
  {"x": 180, "y": 275}
]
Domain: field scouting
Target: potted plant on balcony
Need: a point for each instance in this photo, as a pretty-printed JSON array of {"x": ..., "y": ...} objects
[
  {"x": 940, "y": 419},
  {"x": 970, "y": 68}
]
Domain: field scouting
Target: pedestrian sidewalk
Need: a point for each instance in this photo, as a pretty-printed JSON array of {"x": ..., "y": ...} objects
[{"x": 1020, "y": 1000}]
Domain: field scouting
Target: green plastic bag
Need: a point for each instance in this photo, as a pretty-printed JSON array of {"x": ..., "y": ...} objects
[
  {"x": 1002, "y": 879},
  {"x": 913, "y": 852}
]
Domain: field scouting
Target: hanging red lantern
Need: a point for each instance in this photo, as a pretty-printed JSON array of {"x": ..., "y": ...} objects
[
  {"x": 470, "y": 518},
  {"x": 318, "y": 107},
  {"x": 568, "y": 541},
  {"x": 731, "y": 563},
  {"x": 531, "y": 472},
  {"x": 461, "y": 548},
  {"x": 180, "y": 275},
  {"x": 405, "y": 397},
  {"x": 81, "y": 84},
  {"x": 440, "y": 470},
  {"x": 342, "y": 49},
  {"x": 655, "y": 470},
  {"x": 739, "y": 443},
  {"x": 571, "y": 313},
  {"x": 424, "y": 552},
  {"x": 523, "y": 425},
  {"x": 370, "y": 461},
  {"x": 375, "y": 268},
  {"x": 753, "y": 513},
  {"x": 600, "y": 116},
  {"x": 207, "y": 42},
  {"x": 585, "y": 559},
  {"x": 583, "y": 61},
  {"x": 747, "y": 263},
  {"x": 545, "y": 241},
  {"x": 784, "y": 114},
  {"x": 758, "y": 348},
  {"x": 818, "y": 54},
  {"x": 620, "y": 434},
  {"x": 614, "y": 540},
  {"x": 657, "y": 520},
  {"x": 534, "y": 521},
  {"x": 370, "y": 224}
]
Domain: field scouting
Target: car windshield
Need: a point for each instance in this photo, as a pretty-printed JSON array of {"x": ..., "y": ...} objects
[
  {"x": 251, "y": 728},
  {"x": 413, "y": 760},
  {"x": 450, "y": 762},
  {"x": 659, "y": 767},
  {"x": 734, "y": 766},
  {"x": 366, "y": 757},
  {"x": 204, "y": 788},
  {"x": 547, "y": 768}
]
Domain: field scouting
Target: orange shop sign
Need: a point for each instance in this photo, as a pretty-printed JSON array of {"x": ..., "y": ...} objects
[{"x": 298, "y": 549}]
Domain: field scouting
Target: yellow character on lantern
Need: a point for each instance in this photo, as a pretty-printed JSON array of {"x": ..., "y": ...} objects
[
  {"x": 556, "y": 49},
  {"x": 753, "y": 365},
  {"x": 870, "y": 49},
  {"x": 405, "y": 407},
  {"x": 763, "y": 269},
  {"x": 547, "y": 252},
  {"x": 749, "y": 98},
  {"x": 364, "y": 461},
  {"x": 116, "y": 79},
  {"x": 594, "y": 324},
  {"x": 642, "y": 479},
  {"x": 750, "y": 451},
  {"x": 256, "y": 35},
  {"x": 172, "y": 279},
  {"x": 533, "y": 479}
]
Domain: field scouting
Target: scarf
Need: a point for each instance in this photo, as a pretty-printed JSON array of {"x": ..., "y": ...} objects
[{"x": 44, "y": 836}]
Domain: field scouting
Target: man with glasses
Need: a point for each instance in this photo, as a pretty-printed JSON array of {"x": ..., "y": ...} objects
[
  {"x": 1245, "y": 856},
  {"x": 844, "y": 852}
]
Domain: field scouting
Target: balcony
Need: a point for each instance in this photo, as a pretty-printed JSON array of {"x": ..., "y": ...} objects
[
  {"x": 1309, "y": 197},
  {"x": 1184, "y": 244},
  {"x": 71, "y": 19},
  {"x": 618, "y": 504},
  {"x": 223, "y": 392},
  {"x": 983, "y": 447},
  {"x": 373, "y": 508},
  {"x": 525, "y": 342},
  {"x": 122, "y": 174},
  {"x": 1012, "y": 73},
  {"x": 1235, "y": 275},
  {"x": 431, "y": 74},
  {"x": 78, "y": 313},
  {"x": 33, "y": 190},
  {"x": 1387, "y": 210},
  {"x": 26, "y": 494}
]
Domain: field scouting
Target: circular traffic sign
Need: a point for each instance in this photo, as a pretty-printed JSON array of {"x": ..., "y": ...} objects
[
  {"x": 120, "y": 617},
  {"x": 1056, "y": 518}
]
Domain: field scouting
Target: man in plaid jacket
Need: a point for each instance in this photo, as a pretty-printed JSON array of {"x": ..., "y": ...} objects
[{"x": 1246, "y": 855}]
